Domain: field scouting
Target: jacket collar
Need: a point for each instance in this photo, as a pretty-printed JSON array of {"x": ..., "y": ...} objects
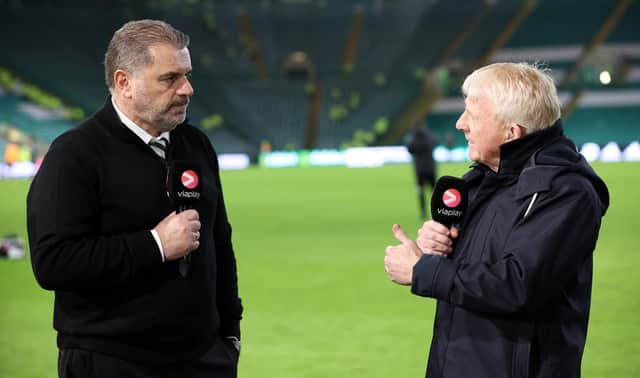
[{"x": 515, "y": 154}]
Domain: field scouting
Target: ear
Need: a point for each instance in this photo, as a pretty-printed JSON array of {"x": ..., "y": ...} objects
[
  {"x": 123, "y": 83},
  {"x": 514, "y": 131}
]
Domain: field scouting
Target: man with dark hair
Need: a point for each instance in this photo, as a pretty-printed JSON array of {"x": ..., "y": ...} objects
[{"x": 141, "y": 291}]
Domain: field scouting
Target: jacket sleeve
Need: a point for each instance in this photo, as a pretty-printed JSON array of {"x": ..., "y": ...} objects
[
  {"x": 67, "y": 252},
  {"x": 543, "y": 251},
  {"x": 229, "y": 303}
]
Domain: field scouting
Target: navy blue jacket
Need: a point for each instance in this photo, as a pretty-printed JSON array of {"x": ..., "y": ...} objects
[{"x": 514, "y": 296}]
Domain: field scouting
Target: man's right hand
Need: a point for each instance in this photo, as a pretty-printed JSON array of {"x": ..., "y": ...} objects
[
  {"x": 435, "y": 238},
  {"x": 179, "y": 234}
]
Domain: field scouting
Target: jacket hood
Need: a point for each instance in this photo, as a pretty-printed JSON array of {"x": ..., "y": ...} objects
[{"x": 558, "y": 157}]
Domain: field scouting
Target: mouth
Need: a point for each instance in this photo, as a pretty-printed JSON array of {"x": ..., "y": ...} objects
[{"x": 180, "y": 104}]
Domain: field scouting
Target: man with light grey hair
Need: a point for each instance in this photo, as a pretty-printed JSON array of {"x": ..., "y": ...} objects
[
  {"x": 513, "y": 280},
  {"x": 145, "y": 285}
]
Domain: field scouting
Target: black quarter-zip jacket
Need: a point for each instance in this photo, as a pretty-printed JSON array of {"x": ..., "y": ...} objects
[
  {"x": 514, "y": 296},
  {"x": 90, "y": 209}
]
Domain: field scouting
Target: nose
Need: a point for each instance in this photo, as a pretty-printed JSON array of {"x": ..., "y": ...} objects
[
  {"x": 461, "y": 124},
  {"x": 185, "y": 88}
]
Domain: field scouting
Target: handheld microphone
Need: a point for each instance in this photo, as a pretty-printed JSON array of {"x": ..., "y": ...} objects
[
  {"x": 449, "y": 200},
  {"x": 184, "y": 185},
  {"x": 184, "y": 190}
]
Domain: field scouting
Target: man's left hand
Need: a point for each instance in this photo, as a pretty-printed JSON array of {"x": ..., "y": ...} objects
[{"x": 400, "y": 259}]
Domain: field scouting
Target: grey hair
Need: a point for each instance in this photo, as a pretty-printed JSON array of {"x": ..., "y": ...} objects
[
  {"x": 521, "y": 92},
  {"x": 129, "y": 46}
]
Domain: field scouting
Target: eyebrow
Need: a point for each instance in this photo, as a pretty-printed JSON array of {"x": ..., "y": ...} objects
[{"x": 173, "y": 73}]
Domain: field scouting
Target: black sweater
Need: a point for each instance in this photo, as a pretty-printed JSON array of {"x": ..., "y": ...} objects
[{"x": 90, "y": 209}]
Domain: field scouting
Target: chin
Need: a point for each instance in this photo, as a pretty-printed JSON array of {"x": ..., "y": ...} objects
[{"x": 178, "y": 119}]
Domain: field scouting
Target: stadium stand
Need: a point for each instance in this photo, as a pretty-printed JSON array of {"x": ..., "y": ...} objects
[
  {"x": 603, "y": 113},
  {"x": 417, "y": 47},
  {"x": 36, "y": 121}
]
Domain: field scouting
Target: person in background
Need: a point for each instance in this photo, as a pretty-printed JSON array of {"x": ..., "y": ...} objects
[
  {"x": 104, "y": 235},
  {"x": 25, "y": 153},
  {"x": 420, "y": 145},
  {"x": 513, "y": 281},
  {"x": 11, "y": 153}
]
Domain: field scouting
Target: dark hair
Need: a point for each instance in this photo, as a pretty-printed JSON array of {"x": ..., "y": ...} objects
[{"x": 129, "y": 47}]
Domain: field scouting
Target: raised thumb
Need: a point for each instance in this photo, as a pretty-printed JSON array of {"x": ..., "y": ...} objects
[{"x": 400, "y": 235}]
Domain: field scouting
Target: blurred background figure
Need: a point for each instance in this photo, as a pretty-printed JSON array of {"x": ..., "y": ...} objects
[
  {"x": 420, "y": 144},
  {"x": 12, "y": 246}
]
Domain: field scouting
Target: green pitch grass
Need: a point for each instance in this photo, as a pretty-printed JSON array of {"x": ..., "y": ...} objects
[{"x": 310, "y": 246}]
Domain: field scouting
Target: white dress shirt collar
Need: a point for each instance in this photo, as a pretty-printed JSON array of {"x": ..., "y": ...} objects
[{"x": 140, "y": 132}]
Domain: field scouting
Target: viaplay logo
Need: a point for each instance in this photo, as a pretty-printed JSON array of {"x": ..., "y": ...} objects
[
  {"x": 189, "y": 179},
  {"x": 451, "y": 197}
]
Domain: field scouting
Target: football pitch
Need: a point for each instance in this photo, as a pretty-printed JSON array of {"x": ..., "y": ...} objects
[{"x": 310, "y": 246}]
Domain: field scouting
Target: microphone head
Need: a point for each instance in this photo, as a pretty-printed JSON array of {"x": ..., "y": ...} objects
[
  {"x": 449, "y": 200},
  {"x": 184, "y": 184}
]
